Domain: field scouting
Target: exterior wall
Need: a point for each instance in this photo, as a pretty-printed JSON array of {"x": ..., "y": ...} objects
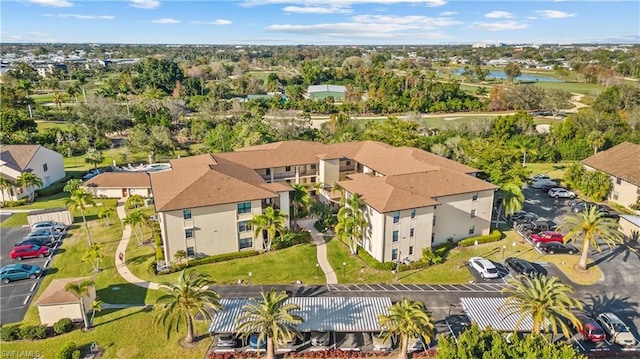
[
  {"x": 622, "y": 192},
  {"x": 298, "y": 174},
  {"x": 628, "y": 228},
  {"x": 453, "y": 216},
  {"x": 63, "y": 216},
  {"x": 329, "y": 171},
  {"x": 54, "y": 162},
  {"x": 117, "y": 192},
  {"x": 406, "y": 243},
  {"x": 285, "y": 205},
  {"x": 49, "y": 314},
  {"x": 321, "y": 95}
]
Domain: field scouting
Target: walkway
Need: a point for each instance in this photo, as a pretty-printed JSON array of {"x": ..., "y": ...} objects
[
  {"x": 321, "y": 250},
  {"x": 121, "y": 264}
]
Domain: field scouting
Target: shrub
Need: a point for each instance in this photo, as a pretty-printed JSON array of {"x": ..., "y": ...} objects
[
  {"x": 32, "y": 332},
  {"x": 291, "y": 239},
  {"x": 10, "y": 333},
  {"x": 159, "y": 254},
  {"x": 68, "y": 351},
  {"x": 373, "y": 263},
  {"x": 495, "y": 236},
  {"x": 18, "y": 203},
  {"x": 320, "y": 226},
  {"x": 64, "y": 325},
  {"x": 221, "y": 258}
]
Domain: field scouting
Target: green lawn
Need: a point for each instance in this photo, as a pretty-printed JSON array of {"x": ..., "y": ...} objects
[
  {"x": 577, "y": 87},
  {"x": 20, "y": 219},
  {"x": 554, "y": 170},
  {"x": 43, "y": 125}
]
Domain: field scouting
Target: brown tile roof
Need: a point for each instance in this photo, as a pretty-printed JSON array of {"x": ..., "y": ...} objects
[
  {"x": 278, "y": 154},
  {"x": 207, "y": 180},
  {"x": 622, "y": 161},
  {"x": 55, "y": 293},
  {"x": 18, "y": 157},
  {"x": 119, "y": 180}
]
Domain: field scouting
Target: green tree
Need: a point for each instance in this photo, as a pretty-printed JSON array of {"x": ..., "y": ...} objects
[
  {"x": 81, "y": 290},
  {"x": 547, "y": 301},
  {"x": 182, "y": 301},
  {"x": 596, "y": 140},
  {"x": 180, "y": 255},
  {"x": 573, "y": 175},
  {"x": 72, "y": 185},
  {"x": 511, "y": 198},
  {"x": 351, "y": 222},
  {"x": 58, "y": 99},
  {"x": 134, "y": 202},
  {"x": 136, "y": 219},
  {"x": 94, "y": 157},
  {"x": 555, "y": 100},
  {"x": 79, "y": 201},
  {"x": 407, "y": 319},
  {"x": 271, "y": 221},
  {"x": 589, "y": 226},
  {"x": 29, "y": 181},
  {"x": 299, "y": 198},
  {"x": 155, "y": 140},
  {"x": 271, "y": 318},
  {"x": 512, "y": 70},
  {"x": 96, "y": 306},
  {"x": 6, "y": 186},
  {"x": 393, "y": 131},
  {"x": 106, "y": 213},
  {"x": 93, "y": 254}
]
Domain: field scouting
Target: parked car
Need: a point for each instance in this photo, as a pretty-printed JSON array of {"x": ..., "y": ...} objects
[
  {"x": 56, "y": 226},
  {"x": 606, "y": 210},
  {"x": 320, "y": 339},
  {"x": 590, "y": 330},
  {"x": 41, "y": 241},
  {"x": 526, "y": 217},
  {"x": 521, "y": 266},
  {"x": 29, "y": 251},
  {"x": 544, "y": 182},
  {"x": 484, "y": 267},
  {"x": 253, "y": 342},
  {"x": 557, "y": 247},
  {"x": 44, "y": 232},
  {"x": 380, "y": 343},
  {"x": 415, "y": 344},
  {"x": 546, "y": 237},
  {"x": 548, "y": 186},
  {"x": 12, "y": 272},
  {"x": 540, "y": 177},
  {"x": 528, "y": 228},
  {"x": 89, "y": 175},
  {"x": 559, "y": 192},
  {"x": 617, "y": 330},
  {"x": 225, "y": 341}
]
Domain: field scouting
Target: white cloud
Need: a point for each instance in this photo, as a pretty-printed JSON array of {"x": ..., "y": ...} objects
[
  {"x": 38, "y": 34},
  {"x": 144, "y": 4},
  {"x": 82, "y": 17},
  {"x": 6, "y": 37},
  {"x": 52, "y": 3},
  {"x": 498, "y": 26},
  {"x": 448, "y": 13},
  {"x": 165, "y": 20},
  {"x": 318, "y": 10},
  {"x": 499, "y": 15},
  {"x": 215, "y": 22},
  {"x": 411, "y": 22},
  {"x": 342, "y": 3},
  {"x": 554, "y": 14}
]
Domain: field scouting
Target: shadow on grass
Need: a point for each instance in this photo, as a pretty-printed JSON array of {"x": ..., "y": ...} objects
[
  {"x": 122, "y": 293},
  {"x": 146, "y": 309}
]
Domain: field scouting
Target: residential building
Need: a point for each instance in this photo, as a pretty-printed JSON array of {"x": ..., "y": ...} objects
[
  {"x": 41, "y": 161},
  {"x": 320, "y": 92},
  {"x": 56, "y": 302},
  {"x": 414, "y": 199},
  {"x": 622, "y": 164},
  {"x": 119, "y": 185}
]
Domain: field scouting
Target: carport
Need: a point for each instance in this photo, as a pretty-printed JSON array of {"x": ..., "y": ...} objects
[{"x": 486, "y": 313}]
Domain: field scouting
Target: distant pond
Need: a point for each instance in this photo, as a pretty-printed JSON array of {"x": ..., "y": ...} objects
[{"x": 523, "y": 77}]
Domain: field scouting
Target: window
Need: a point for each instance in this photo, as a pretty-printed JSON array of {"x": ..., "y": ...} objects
[
  {"x": 186, "y": 214},
  {"x": 614, "y": 195},
  {"x": 396, "y": 216},
  {"x": 413, "y": 213},
  {"x": 433, "y": 237},
  {"x": 188, "y": 233},
  {"x": 473, "y": 213},
  {"x": 412, "y": 232},
  {"x": 313, "y": 166},
  {"x": 475, "y": 197},
  {"x": 472, "y": 230},
  {"x": 45, "y": 167},
  {"x": 434, "y": 220},
  {"x": 394, "y": 254},
  {"x": 618, "y": 180},
  {"x": 348, "y": 163},
  {"x": 268, "y": 172},
  {"x": 395, "y": 236},
  {"x": 191, "y": 251},
  {"x": 411, "y": 250},
  {"x": 244, "y": 207},
  {"x": 244, "y": 226},
  {"x": 313, "y": 180},
  {"x": 244, "y": 243},
  {"x": 287, "y": 169}
]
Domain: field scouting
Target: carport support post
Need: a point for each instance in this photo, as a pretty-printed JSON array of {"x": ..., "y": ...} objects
[
  {"x": 317, "y": 270},
  {"x": 513, "y": 246},
  {"x": 504, "y": 248}
]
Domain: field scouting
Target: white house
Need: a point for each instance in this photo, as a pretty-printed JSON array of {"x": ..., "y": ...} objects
[
  {"x": 56, "y": 303},
  {"x": 41, "y": 161}
]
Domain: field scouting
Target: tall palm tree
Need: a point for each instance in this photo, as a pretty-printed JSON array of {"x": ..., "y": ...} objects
[
  {"x": 182, "y": 301},
  {"x": 136, "y": 219},
  {"x": 80, "y": 290},
  {"x": 351, "y": 222},
  {"x": 299, "y": 198},
  {"x": 407, "y": 319},
  {"x": 106, "y": 213},
  {"x": 510, "y": 198},
  {"x": 25, "y": 85},
  {"x": 93, "y": 255},
  {"x": 5, "y": 185},
  {"x": 546, "y": 300},
  {"x": 589, "y": 226},
  {"x": 96, "y": 306},
  {"x": 58, "y": 99},
  {"x": 271, "y": 318},
  {"x": 79, "y": 201},
  {"x": 73, "y": 91},
  {"x": 272, "y": 221},
  {"x": 29, "y": 180}
]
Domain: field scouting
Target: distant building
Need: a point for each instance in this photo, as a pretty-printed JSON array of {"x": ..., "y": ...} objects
[
  {"x": 43, "y": 162},
  {"x": 320, "y": 92}
]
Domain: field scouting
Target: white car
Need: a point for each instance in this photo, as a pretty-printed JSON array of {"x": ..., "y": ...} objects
[
  {"x": 561, "y": 193},
  {"x": 617, "y": 330},
  {"x": 484, "y": 267}
]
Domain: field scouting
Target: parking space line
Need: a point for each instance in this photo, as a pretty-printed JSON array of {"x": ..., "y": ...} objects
[
  {"x": 469, "y": 288},
  {"x": 405, "y": 287},
  {"x": 370, "y": 287},
  {"x": 579, "y": 344},
  {"x": 443, "y": 287},
  {"x": 430, "y": 287},
  {"x": 33, "y": 286},
  {"x": 46, "y": 264},
  {"x": 26, "y": 299}
]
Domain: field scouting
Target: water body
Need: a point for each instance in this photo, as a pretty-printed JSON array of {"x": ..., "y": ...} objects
[{"x": 500, "y": 75}]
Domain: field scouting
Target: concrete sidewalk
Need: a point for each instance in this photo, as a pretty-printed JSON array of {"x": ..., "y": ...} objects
[{"x": 321, "y": 250}]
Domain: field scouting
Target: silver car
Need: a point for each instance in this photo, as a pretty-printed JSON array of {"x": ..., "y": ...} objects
[{"x": 617, "y": 330}]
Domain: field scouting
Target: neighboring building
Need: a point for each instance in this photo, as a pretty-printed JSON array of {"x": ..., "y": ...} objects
[
  {"x": 119, "y": 185},
  {"x": 630, "y": 226},
  {"x": 43, "y": 162},
  {"x": 622, "y": 164},
  {"x": 414, "y": 199},
  {"x": 56, "y": 303},
  {"x": 320, "y": 92}
]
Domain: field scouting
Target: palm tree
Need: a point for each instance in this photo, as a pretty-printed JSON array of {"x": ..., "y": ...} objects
[
  {"x": 93, "y": 255},
  {"x": 299, "y": 198},
  {"x": 72, "y": 185},
  {"x": 510, "y": 198},
  {"x": 74, "y": 90},
  {"x": 58, "y": 99},
  {"x": 271, "y": 318},
  {"x": 96, "y": 306},
  {"x": 351, "y": 222},
  {"x": 272, "y": 221},
  {"x": 5, "y": 185},
  {"x": 589, "y": 226},
  {"x": 79, "y": 201},
  {"x": 546, "y": 300},
  {"x": 136, "y": 219},
  {"x": 30, "y": 180},
  {"x": 82, "y": 80},
  {"x": 106, "y": 213},
  {"x": 80, "y": 290},
  {"x": 134, "y": 201},
  {"x": 25, "y": 85},
  {"x": 182, "y": 301},
  {"x": 407, "y": 319}
]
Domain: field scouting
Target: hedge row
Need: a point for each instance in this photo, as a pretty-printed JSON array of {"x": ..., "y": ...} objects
[
  {"x": 18, "y": 203},
  {"x": 214, "y": 259},
  {"x": 495, "y": 236},
  {"x": 373, "y": 263}
]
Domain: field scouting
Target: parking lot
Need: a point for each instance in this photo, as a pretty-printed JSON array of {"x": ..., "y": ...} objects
[{"x": 15, "y": 297}]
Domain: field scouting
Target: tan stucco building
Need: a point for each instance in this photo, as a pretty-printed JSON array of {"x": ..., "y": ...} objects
[
  {"x": 56, "y": 303},
  {"x": 119, "y": 185},
  {"x": 414, "y": 199},
  {"x": 48, "y": 165}
]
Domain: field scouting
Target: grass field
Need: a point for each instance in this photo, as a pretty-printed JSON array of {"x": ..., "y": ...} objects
[
  {"x": 577, "y": 87},
  {"x": 43, "y": 125},
  {"x": 554, "y": 170}
]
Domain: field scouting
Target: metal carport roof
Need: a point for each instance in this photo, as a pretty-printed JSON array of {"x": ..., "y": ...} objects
[
  {"x": 340, "y": 314},
  {"x": 486, "y": 312}
]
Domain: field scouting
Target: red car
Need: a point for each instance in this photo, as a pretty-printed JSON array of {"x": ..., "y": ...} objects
[
  {"x": 546, "y": 237},
  {"x": 29, "y": 251},
  {"x": 590, "y": 330}
]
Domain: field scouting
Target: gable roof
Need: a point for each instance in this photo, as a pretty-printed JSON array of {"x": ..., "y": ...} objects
[
  {"x": 622, "y": 161},
  {"x": 119, "y": 180},
  {"x": 17, "y": 157},
  {"x": 55, "y": 293},
  {"x": 328, "y": 88}
]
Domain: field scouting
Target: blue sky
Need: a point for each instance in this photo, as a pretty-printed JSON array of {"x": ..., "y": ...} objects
[{"x": 322, "y": 22}]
